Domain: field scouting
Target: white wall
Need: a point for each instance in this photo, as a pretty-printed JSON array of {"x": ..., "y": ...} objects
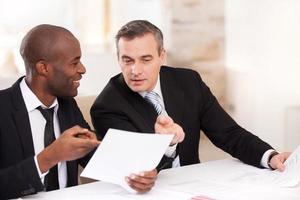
[
  {"x": 156, "y": 11},
  {"x": 100, "y": 67},
  {"x": 263, "y": 60},
  {"x": 85, "y": 20}
]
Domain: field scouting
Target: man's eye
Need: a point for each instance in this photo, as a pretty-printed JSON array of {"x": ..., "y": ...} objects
[
  {"x": 128, "y": 61},
  {"x": 146, "y": 60},
  {"x": 76, "y": 63}
]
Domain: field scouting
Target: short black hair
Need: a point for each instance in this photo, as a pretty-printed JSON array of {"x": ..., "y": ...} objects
[{"x": 38, "y": 42}]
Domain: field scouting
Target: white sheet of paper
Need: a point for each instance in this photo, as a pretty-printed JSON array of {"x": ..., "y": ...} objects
[
  {"x": 232, "y": 181},
  {"x": 290, "y": 177},
  {"x": 122, "y": 153}
]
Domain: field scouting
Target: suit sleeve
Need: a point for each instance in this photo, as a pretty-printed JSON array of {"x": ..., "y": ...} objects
[
  {"x": 105, "y": 114},
  {"x": 103, "y": 119},
  {"x": 20, "y": 180},
  {"x": 225, "y": 133}
]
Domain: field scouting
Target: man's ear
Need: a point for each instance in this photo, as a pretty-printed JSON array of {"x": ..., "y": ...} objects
[
  {"x": 163, "y": 56},
  {"x": 42, "y": 68}
]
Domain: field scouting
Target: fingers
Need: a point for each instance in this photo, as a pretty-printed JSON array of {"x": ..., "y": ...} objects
[
  {"x": 165, "y": 125},
  {"x": 81, "y": 133},
  {"x": 74, "y": 143},
  {"x": 139, "y": 187},
  {"x": 87, "y": 143},
  {"x": 142, "y": 182},
  {"x": 75, "y": 130},
  {"x": 149, "y": 174},
  {"x": 277, "y": 161},
  {"x": 85, "y": 140},
  {"x": 179, "y": 134},
  {"x": 280, "y": 166}
]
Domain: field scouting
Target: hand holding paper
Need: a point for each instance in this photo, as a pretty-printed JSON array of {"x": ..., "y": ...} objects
[
  {"x": 290, "y": 177},
  {"x": 277, "y": 162},
  {"x": 123, "y": 153},
  {"x": 142, "y": 182}
]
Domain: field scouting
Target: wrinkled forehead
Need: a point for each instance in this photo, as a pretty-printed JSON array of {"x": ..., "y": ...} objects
[{"x": 138, "y": 46}]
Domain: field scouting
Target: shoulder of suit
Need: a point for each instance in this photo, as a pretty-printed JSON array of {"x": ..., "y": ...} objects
[
  {"x": 114, "y": 82},
  {"x": 5, "y": 98},
  {"x": 111, "y": 90},
  {"x": 66, "y": 101},
  {"x": 4, "y": 92},
  {"x": 180, "y": 71},
  {"x": 8, "y": 95}
]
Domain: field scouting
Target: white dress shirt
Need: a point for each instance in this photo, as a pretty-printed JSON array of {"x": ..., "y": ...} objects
[{"x": 37, "y": 124}]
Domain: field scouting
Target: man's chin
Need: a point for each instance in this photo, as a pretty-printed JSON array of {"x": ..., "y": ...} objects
[
  {"x": 74, "y": 94},
  {"x": 70, "y": 94},
  {"x": 137, "y": 88}
]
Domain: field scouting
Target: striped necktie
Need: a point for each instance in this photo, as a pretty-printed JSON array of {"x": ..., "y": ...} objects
[{"x": 154, "y": 99}]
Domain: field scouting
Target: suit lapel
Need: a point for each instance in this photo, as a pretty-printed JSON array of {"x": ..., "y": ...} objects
[
  {"x": 173, "y": 95},
  {"x": 65, "y": 122},
  {"x": 62, "y": 119},
  {"x": 21, "y": 119},
  {"x": 145, "y": 112}
]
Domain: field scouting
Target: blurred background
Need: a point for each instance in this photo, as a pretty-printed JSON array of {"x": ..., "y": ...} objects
[{"x": 247, "y": 51}]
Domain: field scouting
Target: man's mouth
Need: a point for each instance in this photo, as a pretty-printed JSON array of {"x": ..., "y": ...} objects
[
  {"x": 137, "y": 81},
  {"x": 76, "y": 83}
]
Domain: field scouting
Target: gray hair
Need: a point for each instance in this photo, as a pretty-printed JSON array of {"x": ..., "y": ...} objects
[{"x": 138, "y": 28}]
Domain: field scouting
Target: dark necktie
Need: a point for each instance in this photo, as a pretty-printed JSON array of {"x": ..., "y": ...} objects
[{"x": 51, "y": 179}]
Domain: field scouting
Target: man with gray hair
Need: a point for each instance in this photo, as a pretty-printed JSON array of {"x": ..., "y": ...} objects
[{"x": 152, "y": 98}]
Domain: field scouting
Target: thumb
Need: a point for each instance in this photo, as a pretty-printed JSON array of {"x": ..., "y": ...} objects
[
  {"x": 75, "y": 130},
  {"x": 164, "y": 119}
]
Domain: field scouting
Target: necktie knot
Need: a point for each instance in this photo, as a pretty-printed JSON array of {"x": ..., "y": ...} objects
[
  {"x": 154, "y": 99},
  {"x": 47, "y": 113}
]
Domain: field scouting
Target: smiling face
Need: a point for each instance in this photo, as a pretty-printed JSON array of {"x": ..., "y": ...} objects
[
  {"x": 66, "y": 69},
  {"x": 140, "y": 61}
]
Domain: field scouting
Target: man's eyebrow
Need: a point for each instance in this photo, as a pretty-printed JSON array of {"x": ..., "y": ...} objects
[
  {"x": 126, "y": 57},
  {"x": 76, "y": 58},
  {"x": 147, "y": 56}
]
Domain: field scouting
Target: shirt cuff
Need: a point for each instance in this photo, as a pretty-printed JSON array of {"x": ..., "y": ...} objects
[
  {"x": 41, "y": 175},
  {"x": 265, "y": 158},
  {"x": 171, "y": 151}
]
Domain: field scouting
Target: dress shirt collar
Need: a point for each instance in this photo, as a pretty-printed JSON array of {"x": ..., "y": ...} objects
[
  {"x": 31, "y": 100},
  {"x": 156, "y": 89}
]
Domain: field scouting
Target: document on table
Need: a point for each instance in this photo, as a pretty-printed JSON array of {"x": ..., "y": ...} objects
[
  {"x": 290, "y": 177},
  {"x": 122, "y": 153},
  {"x": 231, "y": 180}
]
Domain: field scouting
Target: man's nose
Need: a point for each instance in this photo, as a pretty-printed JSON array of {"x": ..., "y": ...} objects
[
  {"x": 136, "y": 69},
  {"x": 81, "y": 68}
]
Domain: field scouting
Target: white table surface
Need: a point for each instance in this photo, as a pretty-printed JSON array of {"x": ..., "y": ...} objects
[{"x": 222, "y": 179}]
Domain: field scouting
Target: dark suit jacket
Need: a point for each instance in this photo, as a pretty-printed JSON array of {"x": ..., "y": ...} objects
[
  {"x": 18, "y": 173},
  {"x": 190, "y": 103}
]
